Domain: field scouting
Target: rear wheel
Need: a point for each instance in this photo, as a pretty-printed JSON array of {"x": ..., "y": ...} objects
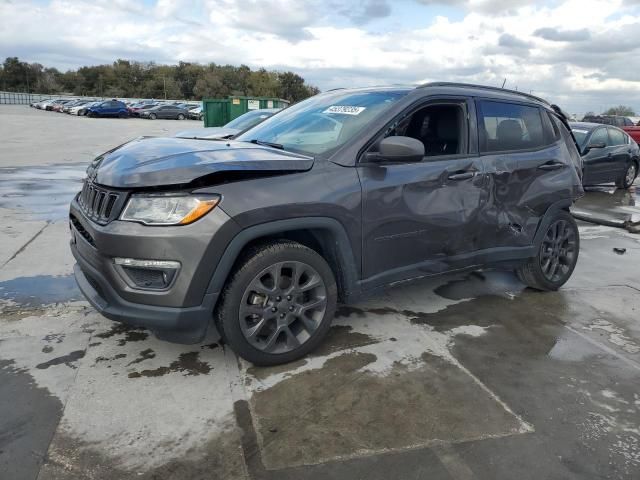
[
  {"x": 279, "y": 303},
  {"x": 556, "y": 257},
  {"x": 629, "y": 176}
]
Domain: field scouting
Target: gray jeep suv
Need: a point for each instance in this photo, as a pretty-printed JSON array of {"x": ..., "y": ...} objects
[{"x": 333, "y": 198}]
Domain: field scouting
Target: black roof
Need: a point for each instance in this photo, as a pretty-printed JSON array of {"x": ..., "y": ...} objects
[
  {"x": 492, "y": 91},
  {"x": 589, "y": 125}
]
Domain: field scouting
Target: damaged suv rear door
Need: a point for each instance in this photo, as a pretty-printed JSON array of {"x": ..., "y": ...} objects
[{"x": 522, "y": 152}]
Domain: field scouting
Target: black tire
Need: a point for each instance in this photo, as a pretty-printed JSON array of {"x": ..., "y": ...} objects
[
  {"x": 629, "y": 176},
  {"x": 152, "y": 116},
  {"x": 234, "y": 328},
  {"x": 180, "y": 116},
  {"x": 535, "y": 273}
]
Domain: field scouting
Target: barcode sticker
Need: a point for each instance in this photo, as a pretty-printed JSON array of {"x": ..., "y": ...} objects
[{"x": 345, "y": 110}]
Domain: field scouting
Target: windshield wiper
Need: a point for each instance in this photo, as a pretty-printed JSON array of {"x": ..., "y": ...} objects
[{"x": 267, "y": 144}]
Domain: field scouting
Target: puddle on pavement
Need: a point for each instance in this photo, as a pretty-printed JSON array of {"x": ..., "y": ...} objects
[
  {"x": 189, "y": 364},
  {"x": 342, "y": 411},
  {"x": 32, "y": 292},
  {"x": 43, "y": 193},
  {"x": 608, "y": 205},
  {"x": 127, "y": 332},
  {"x": 478, "y": 284}
]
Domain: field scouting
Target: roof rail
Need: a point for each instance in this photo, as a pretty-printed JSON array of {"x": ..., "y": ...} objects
[{"x": 483, "y": 87}]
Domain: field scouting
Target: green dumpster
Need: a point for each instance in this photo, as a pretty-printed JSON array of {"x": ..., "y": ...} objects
[{"x": 220, "y": 111}]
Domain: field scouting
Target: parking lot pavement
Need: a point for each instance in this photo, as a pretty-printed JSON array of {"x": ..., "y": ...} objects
[
  {"x": 60, "y": 138},
  {"x": 470, "y": 376}
]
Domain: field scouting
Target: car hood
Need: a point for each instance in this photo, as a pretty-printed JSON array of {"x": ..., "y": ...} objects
[
  {"x": 210, "y": 132},
  {"x": 152, "y": 162}
]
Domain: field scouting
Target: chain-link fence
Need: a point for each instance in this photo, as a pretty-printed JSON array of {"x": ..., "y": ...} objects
[{"x": 17, "y": 98}]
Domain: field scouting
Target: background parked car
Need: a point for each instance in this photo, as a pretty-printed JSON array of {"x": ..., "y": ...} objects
[
  {"x": 608, "y": 153},
  {"x": 196, "y": 113},
  {"x": 625, "y": 123},
  {"x": 165, "y": 111},
  {"x": 109, "y": 108},
  {"x": 67, "y": 107},
  {"x": 235, "y": 126},
  {"x": 81, "y": 110},
  {"x": 135, "y": 109}
]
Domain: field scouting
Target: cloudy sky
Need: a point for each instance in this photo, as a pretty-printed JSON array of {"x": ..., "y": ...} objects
[{"x": 583, "y": 54}]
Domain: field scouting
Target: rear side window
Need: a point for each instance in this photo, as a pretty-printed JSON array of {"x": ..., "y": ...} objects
[
  {"x": 507, "y": 126},
  {"x": 600, "y": 136},
  {"x": 551, "y": 131},
  {"x": 616, "y": 136}
]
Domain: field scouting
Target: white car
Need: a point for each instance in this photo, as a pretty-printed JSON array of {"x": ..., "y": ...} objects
[{"x": 243, "y": 122}]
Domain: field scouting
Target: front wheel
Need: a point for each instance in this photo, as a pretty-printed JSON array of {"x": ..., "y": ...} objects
[
  {"x": 279, "y": 303},
  {"x": 180, "y": 116},
  {"x": 153, "y": 116},
  {"x": 556, "y": 257},
  {"x": 629, "y": 176}
]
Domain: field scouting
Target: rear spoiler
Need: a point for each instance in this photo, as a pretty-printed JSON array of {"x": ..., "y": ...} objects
[{"x": 564, "y": 118}]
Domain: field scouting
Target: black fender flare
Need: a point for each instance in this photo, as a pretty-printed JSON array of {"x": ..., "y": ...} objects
[
  {"x": 346, "y": 259},
  {"x": 544, "y": 223}
]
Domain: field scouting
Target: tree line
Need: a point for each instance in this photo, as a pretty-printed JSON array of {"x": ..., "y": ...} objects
[{"x": 132, "y": 79}]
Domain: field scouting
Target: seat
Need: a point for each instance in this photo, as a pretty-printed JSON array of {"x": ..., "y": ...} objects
[
  {"x": 448, "y": 131},
  {"x": 509, "y": 135}
]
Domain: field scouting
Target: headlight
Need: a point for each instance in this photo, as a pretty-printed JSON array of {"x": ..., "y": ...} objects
[{"x": 167, "y": 209}]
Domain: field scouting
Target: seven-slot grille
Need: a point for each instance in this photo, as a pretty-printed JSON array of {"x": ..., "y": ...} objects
[{"x": 99, "y": 204}]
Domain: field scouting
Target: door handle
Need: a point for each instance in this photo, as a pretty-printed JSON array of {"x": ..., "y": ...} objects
[
  {"x": 551, "y": 166},
  {"x": 462, "y": 176}
]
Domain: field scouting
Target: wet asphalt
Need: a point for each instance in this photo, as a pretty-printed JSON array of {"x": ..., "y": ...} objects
[{"x": 463, "y": 377}]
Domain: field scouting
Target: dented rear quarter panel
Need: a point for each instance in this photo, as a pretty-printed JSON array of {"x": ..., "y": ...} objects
[{"x": 519, "y": 193}]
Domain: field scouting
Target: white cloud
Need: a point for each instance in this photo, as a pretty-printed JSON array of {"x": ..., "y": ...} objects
[{"x": 579, "y": 52}]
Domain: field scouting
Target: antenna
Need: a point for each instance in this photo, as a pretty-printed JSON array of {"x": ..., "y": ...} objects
[{"x": 503, "y": 83}]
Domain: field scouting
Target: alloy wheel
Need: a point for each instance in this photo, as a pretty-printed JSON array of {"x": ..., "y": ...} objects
[
  {"x": 282, "y": 307},
  {"x": 631, "y": 174},
  {"x": 558, "y": 251}
]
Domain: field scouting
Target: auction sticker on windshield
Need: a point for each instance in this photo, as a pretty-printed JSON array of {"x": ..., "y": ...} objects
[{"x": 345, "y": 110}]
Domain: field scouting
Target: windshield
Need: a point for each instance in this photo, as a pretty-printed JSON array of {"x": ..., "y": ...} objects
[
  {"x": 322, "y": 123},
  {"x": 248, "y": 120},
  {"x": 581, "y": 135}
]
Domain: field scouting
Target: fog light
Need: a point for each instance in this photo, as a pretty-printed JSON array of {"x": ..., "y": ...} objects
[
  {"x": 133, "y": 262},
  {"x": 147, "y": 274}
]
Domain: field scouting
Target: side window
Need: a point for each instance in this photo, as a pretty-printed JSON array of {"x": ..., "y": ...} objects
[
  {"x": 600, "y": 136},
  {"x": 628, "y": 122},
  {"x": 551, "y": 132},
  {"x": 507, "y": 126},
  {"x": 616, "y": 136},
  {"x": 439, "y": 127}
]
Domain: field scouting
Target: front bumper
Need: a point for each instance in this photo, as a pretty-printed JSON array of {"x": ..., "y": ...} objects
[
  {"x": 180, "y": 325},
  {"x": 181, "y": 313}
]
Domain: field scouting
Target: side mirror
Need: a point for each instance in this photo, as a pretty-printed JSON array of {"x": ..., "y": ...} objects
[
  {"x": 398, "y": 149},
  {"x": 591, "y": 146}
]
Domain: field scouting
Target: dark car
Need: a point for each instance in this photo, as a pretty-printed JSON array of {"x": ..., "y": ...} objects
[
  {"x": 174, "y": 112},
  {"x": 608, "y": 154},
  {"x": 331, "y": 199},
  {"x": 235, "y": 126},
  {"x": 109, "y": 108}
]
